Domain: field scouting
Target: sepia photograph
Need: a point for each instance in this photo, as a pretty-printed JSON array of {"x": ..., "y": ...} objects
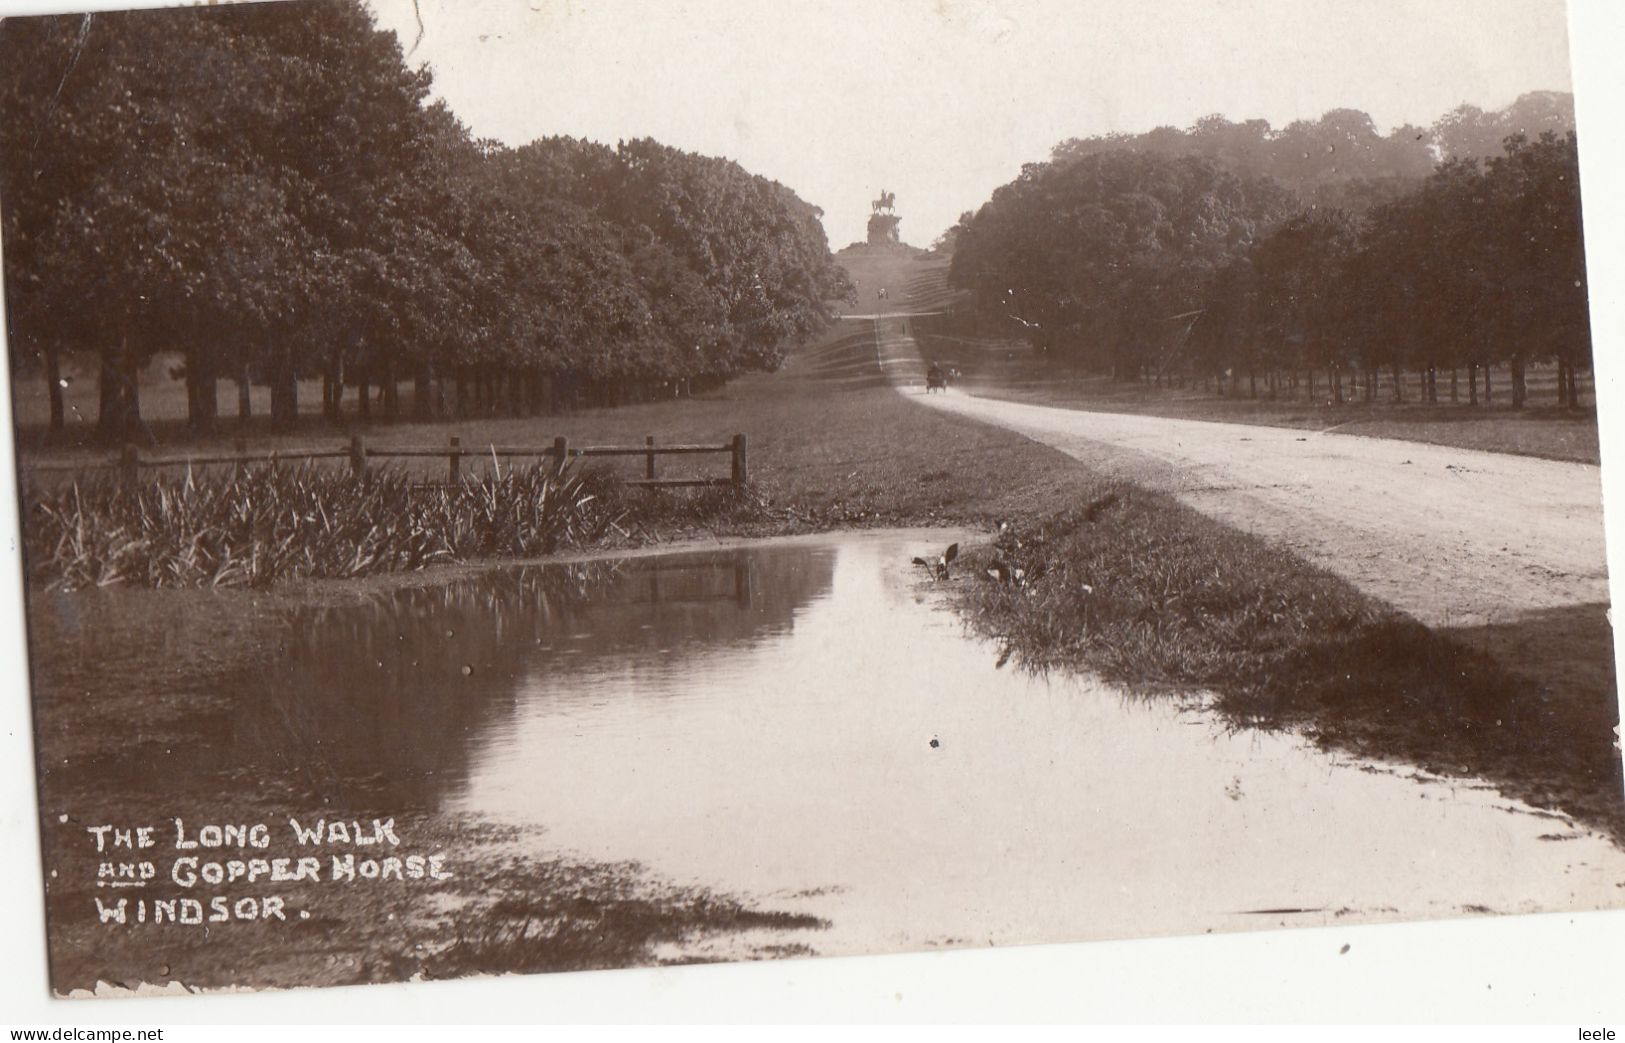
[{"x": 507, "y": 488}]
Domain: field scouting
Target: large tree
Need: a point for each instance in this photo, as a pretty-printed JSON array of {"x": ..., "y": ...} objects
[
  {"x": 1095, "y": 257},
  {"x": 265, "y": 190}
]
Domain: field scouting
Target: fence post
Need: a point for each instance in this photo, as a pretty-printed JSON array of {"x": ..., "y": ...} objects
[
  {"x": 649, "y": 465},
  {"x": 129, "y": 464},
  {"x": 241, "y": 445},
  {"x": 454, "y": 466},
  {"x": 741, "y": 473},
  {"x": 561, "y": 452},
  {"x": 358, "y": 457}
]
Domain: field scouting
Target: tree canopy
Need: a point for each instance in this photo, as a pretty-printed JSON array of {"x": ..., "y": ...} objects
[
  {"x": 267, "y": 190},
  {"x": 1341, "y": 159},
  {"x": 1099, "y": 257},
  {"x": 1230, "y": 248}
]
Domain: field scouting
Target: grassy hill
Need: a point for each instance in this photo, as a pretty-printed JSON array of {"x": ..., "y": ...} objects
[{"x": 914, "y": 279}]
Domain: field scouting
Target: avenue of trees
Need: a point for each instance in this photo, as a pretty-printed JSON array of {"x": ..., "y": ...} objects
[
  {"x": 266, "y": 191},
  {"x": 1156, "y": 259}
]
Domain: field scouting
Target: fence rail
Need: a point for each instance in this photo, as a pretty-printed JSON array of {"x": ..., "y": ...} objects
[{"x": 129, "y": 462}]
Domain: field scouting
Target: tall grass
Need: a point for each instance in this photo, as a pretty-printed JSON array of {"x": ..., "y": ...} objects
[
  {"x": 577, "y": 920},
  {"x": 1137, "y": 588},
  {"x": 262, "y": 525}
]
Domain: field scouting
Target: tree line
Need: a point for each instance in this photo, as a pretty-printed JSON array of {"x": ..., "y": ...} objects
[
  {"x": 268, "y": 191},
  {"x": 1174, "y": 267},
  {"x": 1341, "y": 160}
]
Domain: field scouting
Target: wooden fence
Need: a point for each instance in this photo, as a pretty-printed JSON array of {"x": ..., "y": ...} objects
[{"x": 129, "y": 462}]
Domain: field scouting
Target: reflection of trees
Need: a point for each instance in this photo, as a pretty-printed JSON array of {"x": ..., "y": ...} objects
[
  {"x": 688, "y": 603},
  {"x": 386, "y": 701},
  {"x": 375, "y": 701}
]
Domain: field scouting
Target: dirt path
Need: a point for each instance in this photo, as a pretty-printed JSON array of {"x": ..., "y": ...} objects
[{"x": 1454, "y": 537}]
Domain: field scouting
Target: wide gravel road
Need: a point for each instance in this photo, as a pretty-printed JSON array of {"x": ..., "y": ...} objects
[{"x": 1454, "y": 537}]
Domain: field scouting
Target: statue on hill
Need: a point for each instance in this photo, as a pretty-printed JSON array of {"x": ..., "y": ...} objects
[{"x": 883, "y": 225}]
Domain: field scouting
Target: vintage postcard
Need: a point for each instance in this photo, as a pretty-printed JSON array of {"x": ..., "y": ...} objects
[{"x": 512, "y": 488}]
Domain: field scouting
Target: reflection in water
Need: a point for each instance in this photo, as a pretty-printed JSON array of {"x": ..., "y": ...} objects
[
  {"x": 384, "y": 703},
  {"x": 803, "y": 725}
]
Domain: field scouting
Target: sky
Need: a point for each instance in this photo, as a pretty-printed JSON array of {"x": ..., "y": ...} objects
[{"x": 941, "y": 101}]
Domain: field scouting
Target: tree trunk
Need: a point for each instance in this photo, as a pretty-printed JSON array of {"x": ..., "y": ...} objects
[
  {"x": 107, "y": 395},
  {"x": 420, "y": 390},
  {"x": 119, "y": 407},
  {"x": 1574, "y": 388},
  {"x": 363, "y": 398},
  {"x": 132, "y": 393},
  {"x": 1520, "y": 389},
  {"x": 1472, "y": 383},
  {"x": 110, "y": 398},
  {"x": 284, "y": 386},
  {"x": 1487, "y": 395},
  {"x": 329, "y": 411},
  {"x": 1399, "y": 383},
  {"x": 334, "y": 402},
  {"x": 391, "y": 391},
  {"x": 245, "y": 404},
  {"x": 1455, "y": 392},
  {"x": 53, "y": 388},
  {"x": 201, "y": 408}
]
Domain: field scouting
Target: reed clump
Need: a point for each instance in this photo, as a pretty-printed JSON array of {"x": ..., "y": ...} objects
[
  {"x": 1140, "y": 590},
  {"x": 258, "y": 526}
]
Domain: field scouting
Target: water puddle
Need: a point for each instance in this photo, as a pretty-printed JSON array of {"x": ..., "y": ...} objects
[{"x": 808, "y": 727}]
